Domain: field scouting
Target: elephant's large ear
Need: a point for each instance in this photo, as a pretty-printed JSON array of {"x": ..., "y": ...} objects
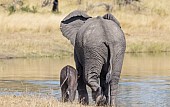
[
  {"x": 71, "y": 24},
  {"x": 111, "y": 17}
]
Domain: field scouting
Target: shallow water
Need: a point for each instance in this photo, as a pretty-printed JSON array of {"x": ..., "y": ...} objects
[{"x": 145, "y": 79}]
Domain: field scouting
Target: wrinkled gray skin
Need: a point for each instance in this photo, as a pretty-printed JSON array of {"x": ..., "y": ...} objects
[
  {"x": 68, "y": 83},
  {"x": 99, "y": 47}
]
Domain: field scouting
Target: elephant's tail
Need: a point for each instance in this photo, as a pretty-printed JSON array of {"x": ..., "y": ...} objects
[
  {"x": 109, "y": 43},
  {"x": 111, "y": 54},
  {"x": 67, "y": 75}
]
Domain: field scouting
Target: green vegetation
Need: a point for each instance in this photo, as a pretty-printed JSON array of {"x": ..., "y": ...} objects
[
  {"x": 11, "y": 9},
  {"x": 28, "y": 9},
  {"x": 30, "y": 30}
]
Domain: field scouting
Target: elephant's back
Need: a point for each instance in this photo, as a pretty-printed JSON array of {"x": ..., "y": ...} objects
[
  {"x": 67, "y": 72},
  {"x": 63, "y": 75},
  {"x": 91, "y": 33},
  {"x": 98, "y": 30},
  {"x": 115, "y": 34}
]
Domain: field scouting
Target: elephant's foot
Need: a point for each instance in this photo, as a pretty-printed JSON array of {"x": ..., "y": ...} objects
[
  {"x": 113, "y": 105},
  {"x": 65, "y": 98},
  {"x": 98, "y": 97},
  {"x": 83, "y": 100},
  {"x": 113, "y": 101},
  {"x": 83, "y": 97},
  {"x": 95, "y": 94},
  {"x": 101, "y": 100}
]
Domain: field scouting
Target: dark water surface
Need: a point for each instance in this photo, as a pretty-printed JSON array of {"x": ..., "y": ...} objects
[{"x": 145, "y": 79}]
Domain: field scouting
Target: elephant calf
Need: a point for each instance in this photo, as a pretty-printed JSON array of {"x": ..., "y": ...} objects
[{"x": 68, "y": 83}]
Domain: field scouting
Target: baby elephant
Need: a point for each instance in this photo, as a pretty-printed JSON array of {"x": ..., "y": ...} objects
[{"x": 68, "y": 83}]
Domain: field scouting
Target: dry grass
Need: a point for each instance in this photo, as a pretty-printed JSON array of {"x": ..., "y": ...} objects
[
  {"x": 33, "y": 101},
  {"x": 35, "y": 23},
  {"x": 27, "y": 34},
  {"x": 34, "y": 45}
]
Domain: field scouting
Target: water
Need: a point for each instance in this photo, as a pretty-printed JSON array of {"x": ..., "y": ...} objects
[{"x": 145, "y": 79}]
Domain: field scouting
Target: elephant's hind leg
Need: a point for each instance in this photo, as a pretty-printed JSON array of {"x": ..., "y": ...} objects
[
  {"x": 94, "y": 60},
  {"x": 92, "y": 78},
  {"x": 103, "y": 84},
  {"x": 64, "y": 93},
  {"x": 82, "y": 91},
  {"x": 115, "y": 75}
]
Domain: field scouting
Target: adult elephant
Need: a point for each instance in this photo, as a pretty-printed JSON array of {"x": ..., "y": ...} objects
[{"x": 99, "y": 47}]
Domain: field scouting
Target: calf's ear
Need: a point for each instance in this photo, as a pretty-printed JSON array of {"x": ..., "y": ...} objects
[{"x": 71, "y": 24}]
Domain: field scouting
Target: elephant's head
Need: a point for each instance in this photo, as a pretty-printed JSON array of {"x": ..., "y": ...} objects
[{"x": 71, "y": 23}]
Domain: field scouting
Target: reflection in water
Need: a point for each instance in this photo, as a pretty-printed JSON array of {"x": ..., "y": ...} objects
[
  {"x": 33, "y": 69},
  {"x": 147, "y": 64},
  {"x": 145, "y": 79}
]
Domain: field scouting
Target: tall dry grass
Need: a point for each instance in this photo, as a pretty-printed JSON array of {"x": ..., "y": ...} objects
[
  {"x": 26, "y": 34},
  {"x": 154, "y": 15},
  {"x": 35, "y": 23},
  {"x": 30, "y": 35}
]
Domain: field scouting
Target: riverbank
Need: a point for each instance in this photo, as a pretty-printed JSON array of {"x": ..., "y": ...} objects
[
  {"x": 22, "y": 45},
  {"x": 25, "y": 34},
  {"x": 53, "y": 44}
]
